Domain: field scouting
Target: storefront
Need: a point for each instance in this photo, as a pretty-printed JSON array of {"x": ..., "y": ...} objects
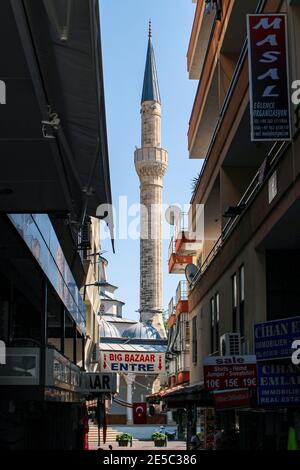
[{"x": 187, "y": 404}]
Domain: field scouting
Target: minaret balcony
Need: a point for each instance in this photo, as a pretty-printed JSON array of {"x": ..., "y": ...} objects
[
  {"x": 150, "y": 155},
  {"x": 177, "y": 263},
  {"x": 186, "y": 242}
]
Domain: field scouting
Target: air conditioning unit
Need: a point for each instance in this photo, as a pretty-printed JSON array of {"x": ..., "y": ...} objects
[{"x": 230, "y": 344}]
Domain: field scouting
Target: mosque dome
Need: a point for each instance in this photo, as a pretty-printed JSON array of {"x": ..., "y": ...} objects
[
  {"x": 108, "y": 330},
  {"x": 141, "y": 331}
]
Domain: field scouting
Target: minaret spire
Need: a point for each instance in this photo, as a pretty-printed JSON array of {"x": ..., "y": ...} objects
[
  {"x": 150, "y": 29},
  {"x": 150, "y": 87},
  {"x": 151, "y": 162}
]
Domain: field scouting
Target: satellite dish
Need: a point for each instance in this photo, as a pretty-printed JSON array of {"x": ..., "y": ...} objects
[
  {"x": 172, "y": 214},
  {"x": 190, "y": 272}
]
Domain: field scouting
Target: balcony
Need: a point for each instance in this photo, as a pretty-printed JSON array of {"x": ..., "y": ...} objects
[
  {"x": 177, "y": 263},
  {"x": 186, "y": 242},
  {"x": 183, "y": 377},
  {"x": 171, "y": 313},
  {"x": 278, "y": 160},
  {"x": 220, "y": 59},
  {"x": 182, "y": 304},
  {"x": 201, "y": 32}
]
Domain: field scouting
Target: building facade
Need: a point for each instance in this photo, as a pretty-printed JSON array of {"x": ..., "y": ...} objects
[
  {"x": 53, "y": 180},
  {"x": 245, "y": 271}
]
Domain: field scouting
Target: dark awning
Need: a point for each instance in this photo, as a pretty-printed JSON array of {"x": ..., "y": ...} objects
[
  {"x": 182, "y": 395},
  {"x": 52, "y": 49}
]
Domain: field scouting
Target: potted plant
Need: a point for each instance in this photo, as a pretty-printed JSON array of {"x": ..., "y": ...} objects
[
  {"x": 160, "y": 439},
  {"x": 124, "y": 439}
]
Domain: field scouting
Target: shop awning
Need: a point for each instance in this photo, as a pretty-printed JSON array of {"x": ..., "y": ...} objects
[
  {"x": 124, "y": 347},
  {"x": 180, "y": 396}
]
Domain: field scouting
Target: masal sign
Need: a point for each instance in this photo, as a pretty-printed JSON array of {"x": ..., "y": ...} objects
[{"x": 151, "y": 363}]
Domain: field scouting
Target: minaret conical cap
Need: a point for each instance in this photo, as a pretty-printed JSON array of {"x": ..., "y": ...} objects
[{"x": 151, "y": 87}]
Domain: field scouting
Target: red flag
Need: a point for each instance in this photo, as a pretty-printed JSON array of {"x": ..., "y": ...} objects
[{"x": 140, "y": 413}]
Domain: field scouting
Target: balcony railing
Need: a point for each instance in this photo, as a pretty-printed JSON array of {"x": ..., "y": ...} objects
[
  {"x": 171, "y": 248},
  {"x": 273, "y": 157},
  {"x": 171, "y": 307},
  {"x": 181, "y": 225},
  {"x": 181, "y": 292}
]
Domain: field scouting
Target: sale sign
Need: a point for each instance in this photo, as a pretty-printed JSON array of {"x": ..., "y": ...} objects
[
  {"x": 232, "y": 399},
  {"x": 139, "y": 363},
  {"x": 269, "y": 78},
  {"x": 230, "y": 373}
]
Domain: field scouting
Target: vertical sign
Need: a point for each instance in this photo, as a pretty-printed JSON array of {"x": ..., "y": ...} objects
[{"x": 269, "y": 78}]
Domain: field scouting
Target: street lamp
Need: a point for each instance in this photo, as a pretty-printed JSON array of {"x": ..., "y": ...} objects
[{"x": 95, "y": 284}]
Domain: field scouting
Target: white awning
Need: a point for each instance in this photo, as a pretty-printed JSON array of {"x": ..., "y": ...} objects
[{"x": 139, "y": 348}]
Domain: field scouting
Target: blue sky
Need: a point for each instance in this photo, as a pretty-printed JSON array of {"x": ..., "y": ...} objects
[{"x": 124, "y": 36}]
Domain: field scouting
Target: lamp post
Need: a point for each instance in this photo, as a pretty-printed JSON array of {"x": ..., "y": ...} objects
[{"x": 95, "y": 284}]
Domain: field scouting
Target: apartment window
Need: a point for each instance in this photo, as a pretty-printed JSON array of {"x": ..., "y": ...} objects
[
  {"x": 212, "y": 325},
  {"x": 242, "y": 299},
  {"x": 194, "y": 341},
  {"x": 234, "y": 303},
  {"x": 217, "y": 320}
]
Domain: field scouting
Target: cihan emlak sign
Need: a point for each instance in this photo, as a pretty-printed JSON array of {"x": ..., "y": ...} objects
[
  {"x": 269, "y": 78},
  {"x": 139, "y": 363}
]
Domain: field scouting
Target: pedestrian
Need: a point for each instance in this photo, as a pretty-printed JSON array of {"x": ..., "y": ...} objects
[{"x": 218, "y": 439}]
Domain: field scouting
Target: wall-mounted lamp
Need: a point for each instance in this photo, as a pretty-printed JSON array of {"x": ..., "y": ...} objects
[{"x": 95, "y": 284}]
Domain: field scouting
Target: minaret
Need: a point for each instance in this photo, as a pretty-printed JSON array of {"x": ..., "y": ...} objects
[{"x": 151, "y": 163}]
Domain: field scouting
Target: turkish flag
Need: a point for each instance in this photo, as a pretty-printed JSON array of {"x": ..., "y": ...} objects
[{"x": 139, "y": 413}]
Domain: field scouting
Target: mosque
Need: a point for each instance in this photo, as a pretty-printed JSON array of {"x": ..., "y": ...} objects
[
  {"x": 136, "y": 349},
  {"x": 128, "y": 347}
]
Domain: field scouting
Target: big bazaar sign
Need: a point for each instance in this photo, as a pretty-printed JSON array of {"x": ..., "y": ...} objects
[{"x": 139, "y": 363}]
